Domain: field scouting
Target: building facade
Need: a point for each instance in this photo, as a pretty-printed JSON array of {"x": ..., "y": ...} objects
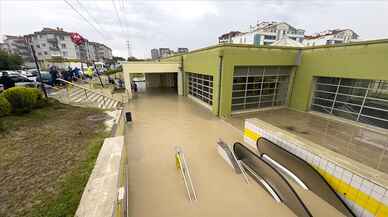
[
  {"x": 155, "y": 53},
  {"x": 227, "y": 37},
  {"x": 182, "y": 50},
  {"x": 165, "y": 52},
  {"x": 18, "y": 45},
  {"x": 264, "y": 33},
  {"x": 328, "y": 37},
  {"x": 55, "y": 44},
  {"x": 101, "y": 51}
]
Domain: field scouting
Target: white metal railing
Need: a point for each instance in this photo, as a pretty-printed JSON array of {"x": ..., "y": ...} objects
[
  {"x": 185, "y": 171},
  {"x": 89, "y": 91}
]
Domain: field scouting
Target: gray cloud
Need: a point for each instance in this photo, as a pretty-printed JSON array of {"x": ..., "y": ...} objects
[{"x": 191, "y": 24}]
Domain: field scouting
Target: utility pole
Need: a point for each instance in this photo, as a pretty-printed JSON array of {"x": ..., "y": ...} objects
[
  {"x": 37, "y": 67},
  {"x": 129, "y": 49}
]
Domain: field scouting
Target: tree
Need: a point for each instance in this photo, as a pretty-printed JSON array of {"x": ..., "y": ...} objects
[
  {"x": 10, "y": 61},
  {"x": 116, "y": 59},
  {"x": 134, "y": 59}
]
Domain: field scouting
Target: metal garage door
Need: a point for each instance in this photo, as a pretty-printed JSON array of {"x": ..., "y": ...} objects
[
  {"x": 201, "y": 87},
  {"x": 258, "y": 87},
  {"x": 359, "y": 100}
]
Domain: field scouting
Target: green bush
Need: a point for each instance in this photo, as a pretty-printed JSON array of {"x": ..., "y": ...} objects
[
  {"x": 5, "y": 107},
  {"x": 23, "y": 99},
  {"x": 113, "y": 71}
]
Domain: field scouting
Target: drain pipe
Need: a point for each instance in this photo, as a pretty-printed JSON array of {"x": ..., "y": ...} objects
[{"x": 221, "y": 61}]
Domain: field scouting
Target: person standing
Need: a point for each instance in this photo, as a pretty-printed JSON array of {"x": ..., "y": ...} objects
[{"x": 54, "y": 75}]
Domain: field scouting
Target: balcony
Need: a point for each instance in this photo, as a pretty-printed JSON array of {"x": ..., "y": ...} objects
[
  {"x": 52, "y": 40},
  {"x": 55, "y": 48}
]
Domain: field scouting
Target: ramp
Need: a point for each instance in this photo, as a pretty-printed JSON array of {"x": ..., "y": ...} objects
[
  {"x": 305, "y": 172},
  {"x": 265, "y": 175}
]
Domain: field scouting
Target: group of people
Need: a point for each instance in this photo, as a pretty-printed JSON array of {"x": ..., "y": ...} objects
[{"x": 70, "y": 74}]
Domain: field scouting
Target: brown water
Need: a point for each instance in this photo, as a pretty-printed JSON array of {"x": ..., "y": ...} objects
[{"x": 161, "y": 121}]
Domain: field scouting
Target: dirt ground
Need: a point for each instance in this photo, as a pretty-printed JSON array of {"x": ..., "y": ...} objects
[{"x": 38, "y": 151}]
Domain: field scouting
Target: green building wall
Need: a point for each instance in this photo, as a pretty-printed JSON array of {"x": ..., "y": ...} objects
[
  {"x": 363, "y": 60},
  {"x": 368, "y": 60}
]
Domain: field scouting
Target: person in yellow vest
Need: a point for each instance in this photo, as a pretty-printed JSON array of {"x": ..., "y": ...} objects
[{"x": 89, "y": 72}]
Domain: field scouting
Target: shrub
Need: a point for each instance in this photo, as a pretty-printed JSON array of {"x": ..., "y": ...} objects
[
  {"x": 23, "y": 99},
  {"x": 5, "y": 107},
  {"x": 113, "y": 71}
]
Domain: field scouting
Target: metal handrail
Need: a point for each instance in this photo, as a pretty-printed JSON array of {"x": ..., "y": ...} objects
[
  {"x": 185, "y": 171},
  {"x": 91, "y": 90}
]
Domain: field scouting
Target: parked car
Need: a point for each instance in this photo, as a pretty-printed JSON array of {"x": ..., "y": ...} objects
[
  {"x": 46, "y": 77},
  {"x": 20, "y": 80}
]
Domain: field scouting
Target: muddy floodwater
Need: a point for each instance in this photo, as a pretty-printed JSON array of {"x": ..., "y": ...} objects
[{"x": 161, "y": 121}]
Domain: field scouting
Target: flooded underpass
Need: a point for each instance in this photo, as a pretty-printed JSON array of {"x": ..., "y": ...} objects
[{"x": 161, "y": 121}]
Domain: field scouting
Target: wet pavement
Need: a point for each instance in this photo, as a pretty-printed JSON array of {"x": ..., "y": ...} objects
[
  {"x": 163, "y": 120},
  {"x": 367, "y": 146}
]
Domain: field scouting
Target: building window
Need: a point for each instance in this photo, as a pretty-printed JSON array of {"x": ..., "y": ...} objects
[
  {"x": 201, "y": 87},
  {"x": 62, "y": 38},
  {"x": 63, "y": 45},
  {"x": 259, "y": 87},
  {"x": 269, "y": 37},
  {"x": 45, "y": 53},
  {"x": 364, "y": 101},
  {"x": 43, "y": 45},
  {"x": 37, "y": 46},
  {"x": 39, "y": 54},
  {"x": 64, "y": 53}
]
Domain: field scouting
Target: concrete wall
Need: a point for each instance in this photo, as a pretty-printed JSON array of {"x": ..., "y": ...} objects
[
  {"x": 361, "y": 61},
  {"x": 150, "y": 67}
]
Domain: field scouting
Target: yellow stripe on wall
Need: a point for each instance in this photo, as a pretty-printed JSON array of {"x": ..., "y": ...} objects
[
  {"x": 251, "y": 134},
  {"x": 363, "y": 200}
]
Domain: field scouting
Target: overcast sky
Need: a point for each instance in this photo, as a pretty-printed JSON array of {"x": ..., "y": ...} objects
[{"x": 192, "y": 24}]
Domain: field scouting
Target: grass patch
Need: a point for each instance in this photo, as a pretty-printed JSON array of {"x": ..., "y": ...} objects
[
  {"x": 46, "y": 159},
  {"x": 66, "y": 202}
]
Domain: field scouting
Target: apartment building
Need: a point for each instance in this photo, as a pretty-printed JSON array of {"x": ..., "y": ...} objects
[
  {"x": 53, "y": 43},
  {"x": 227, "y": 37},
  {"x": 264, "y": 33},
  {"x": 182, "y": 50},
  {"x": 155, "y": 53},
  {"x": 328, "y": 37},
  {"x": 18, "y": 45},
  {"x": 165, "y": 52}
]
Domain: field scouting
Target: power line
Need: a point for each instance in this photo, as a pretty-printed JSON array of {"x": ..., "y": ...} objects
[
  {"x": 88, "y": 13},
  {"x": 85, "y": 19},
  {"x": 118, "y": 16},
  {"x": 126, "y": 26}
]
